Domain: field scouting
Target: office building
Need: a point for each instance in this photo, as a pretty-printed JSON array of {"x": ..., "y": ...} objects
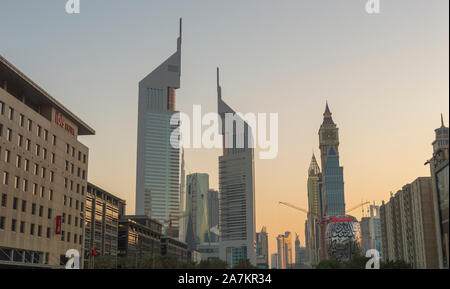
[
  {"x": 371, "y": 230},
  {"x": 312, "y": 228},
  {"x": 44, "y": 169},
  {"x": 333, "y": 173},
  {"x": 209, "y": 251},
  {"x": 197, "y": 228},
  {"x": 158, "y": 152},
  {"x": 408, "y": 226},
  {"x": 213, "y": 208},
  {"x": 440, "y": 184},
  {"x": 274, "y": 261},
  {"x": 174, "y": 248},
  {"x": 301, "y": 254},
  {"x": 101, "y": 222},
  {"x": 262, "y": 249},
  {"x": 284, "y": 246},
  {"x": 236, "y": 188},
  {"x": 139, "y": 236}
]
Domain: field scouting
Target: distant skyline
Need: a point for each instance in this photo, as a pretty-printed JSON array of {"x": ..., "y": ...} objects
[{"x": 384, "y": 76}]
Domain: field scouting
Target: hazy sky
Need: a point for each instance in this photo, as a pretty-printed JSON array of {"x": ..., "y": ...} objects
[{"x": 385, "y": 77}]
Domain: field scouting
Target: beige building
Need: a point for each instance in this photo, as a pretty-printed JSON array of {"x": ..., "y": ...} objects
[
  {"x": 284, "y": 245},
  {"x": 43, "y": 169},
  {"x": 408, "y": 226}
]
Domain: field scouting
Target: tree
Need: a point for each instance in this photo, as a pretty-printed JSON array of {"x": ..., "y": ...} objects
[
  {"x": 357, "y": 262},
  {"x": 212, "y": 264},
  {"x": 400, "y": 264},
  {"x": 244, "y": 264},
  {"x": 104, "y": 262},
  {"x": 328, "y": 264}
]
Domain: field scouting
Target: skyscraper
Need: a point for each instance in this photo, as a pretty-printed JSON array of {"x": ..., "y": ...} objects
[
  {"x": 312, "y": 227},
  {"x": 371, "y": 230},
  {"x": 213, "y": 208},
  {"x": 236, "y": 188},
  {"x": 262, "y": 249},
  {"x": 197, "y": 229},
  {"x": 333, "y": 175},
  {"x": 158, "y": 160},
  {"x": 284, "y": 246}
]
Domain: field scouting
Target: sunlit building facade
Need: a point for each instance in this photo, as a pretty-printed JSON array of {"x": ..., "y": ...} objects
[
  {"x": 43, "y": 170},
  {"x": 236, "y": 189},
  {"x": 312, "y": 233},
  {"x": 333, "y": 174},
  {"x": 158, "y": 152},
  {"x": 197, "y": 228}
]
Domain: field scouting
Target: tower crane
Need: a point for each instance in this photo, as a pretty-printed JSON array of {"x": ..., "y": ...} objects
[{"x": 172, "y": 219}]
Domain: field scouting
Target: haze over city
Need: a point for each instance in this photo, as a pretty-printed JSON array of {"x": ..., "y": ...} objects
[{"x": 385, "y": 78}]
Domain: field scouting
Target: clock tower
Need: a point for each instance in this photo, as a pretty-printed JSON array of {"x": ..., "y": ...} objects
[{"x": 333, "y": 174}]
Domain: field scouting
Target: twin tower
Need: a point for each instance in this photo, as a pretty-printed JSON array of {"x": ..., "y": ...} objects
[{"x": 159, "y": 189}]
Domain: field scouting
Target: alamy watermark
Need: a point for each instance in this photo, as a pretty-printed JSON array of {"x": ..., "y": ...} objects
[{"x": 241, "y": 131}]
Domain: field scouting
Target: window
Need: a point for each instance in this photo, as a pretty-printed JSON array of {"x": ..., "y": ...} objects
[
  {"x": 16, "y": 182},
  {"x": 5, "y": 178},
  {"x": 44, "y": 153},
  {"x": 9, "y": 134},
  {"x": 69, "y": 219},
  {"x": 39, "y": 231},
  {"x": 38, "y": 130},
  {"x": 24, "y": 205},
  {"x": 54, "y": 140},
  {"x": 42, "y": 194},
  {"x": 68, "y": 236},
  {"x": 79, "y": 156},
  {"x": 36, "y": 169},
  {"x": 22, "y": 227},
  {"x": 1, "y": 129},
  {"x": 49, "y": 213},
  {"x": 2, "y": 223},
  {"x": 67, "y": 148},
  {"x": 28, "y": 144},
  {"x": 84, "y": 158},
  {"x": 33, "y": 208},
  {"x": 13, "y": 225},
  {"x": 21, "y": 119},
  {"x": 38, "y": 150},
  {"x": 45, "y": 134},
  {"x": 52, "y": 176},
  {"x": 65, "y": 200},
  {"x": 50, "y": 195},
  {"x": 7, "y": 153},
  {"x": 41, "y": 211},
  {"x": 53, "y": 158},
  {"x": 15, "y": 201},
  {"x": 35, "y": 189},
  {"x": 43, "y": 172},
  {"x": 26, "y": 165},
  {"x": 30, "y": 125},
  {"x": 2, "y": 107},
  {"x": 31, "y": 229},
  {"x": 73, "y": 151},
  {"x": 25, "y": 185},
  {"x": 4, "y": 200},
  {"x": 48, "y": 232},
  {"x": 63, "y": 218},
  {"x": 19, "y": 140},
  {"x": 18, "y": 161},
  {"x": 62, "y": 235},
  {"x": 11, "y": 113}
]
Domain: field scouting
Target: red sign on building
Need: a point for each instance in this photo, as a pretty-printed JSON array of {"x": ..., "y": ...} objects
[
  {"x": 59, "y": 120},
  {"x": 58, "y": 225}
]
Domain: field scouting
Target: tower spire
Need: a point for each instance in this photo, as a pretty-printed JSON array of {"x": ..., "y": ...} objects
[
  {"x": 442, "y": 120},
  {"x": 219, "y": 89},
  {"x": 180, "y": 34}
]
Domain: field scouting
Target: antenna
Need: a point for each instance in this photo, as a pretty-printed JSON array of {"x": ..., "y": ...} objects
[
  {"x": 219, "y": 89},
  {"x": 180, "y": 34}
]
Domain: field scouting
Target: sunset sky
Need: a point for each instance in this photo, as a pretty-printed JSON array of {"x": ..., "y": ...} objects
[{"x": 385, "y": 77}]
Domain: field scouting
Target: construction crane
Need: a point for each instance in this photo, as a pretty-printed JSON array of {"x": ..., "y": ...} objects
[
  {"x": 356, "y": 207},
  {"x": 172, "y": 219}
]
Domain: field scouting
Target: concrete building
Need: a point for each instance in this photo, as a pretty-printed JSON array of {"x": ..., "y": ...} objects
[
  {"x": 177, "y": 249},
  {"x": 236, "y": 188},
  {"x": 312, "y": 228},
  {"x": 371, "y": 231},
  {"x": 284, "y": 246},
  {"x": 158, "y": 153},
  {"x": 101, "y": 222},
  {"x": 43, "y": 169},
  {"x": 274, "y": 261},
  {"x": 262, "y": 249},
  {"x": 197, "y": 228},
  {"x": 333, "y": 174},
  {"x": 213, "y": 208},
  {"x": 139, "y": 236},
  {"x": 408, "y": 226},
  {"x": 440, "y": 184}
]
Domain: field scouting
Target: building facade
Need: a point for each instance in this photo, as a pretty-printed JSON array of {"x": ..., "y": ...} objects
[
  {"x": 158, "y": 152},
  {"x": 44, "y": 170},
  {"x": 139, "y": 236},
  {"x": 274, "y": 261},
  {"x": 408, "y": 226},
  {"x": 312, "y": 228},
  {"x": 262, "y": 249},
  {"x": 236, "y": 188},
  {"x": 101, "y": 223},
  {"x": 440, "y": 184},
  {"x": 284, "y": 246},
  {"x": 213, "y": 208},
  {"x": 197, "y": 228},
  {"x": 371, "y": 231},
  {"x": 333, "y": 173}
]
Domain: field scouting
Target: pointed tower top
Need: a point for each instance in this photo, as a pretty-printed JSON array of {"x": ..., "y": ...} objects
[
  {"x": 442, "y": 120},
  {"x": 180, "y": 34},
  {"x": 313, "y": 167},
  {"x": 219, "y": 89},
  {"x": 327, "y": 119},
  {"x": 327, "y": 110}
]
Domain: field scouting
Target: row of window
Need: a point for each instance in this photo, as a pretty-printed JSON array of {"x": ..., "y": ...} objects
[
  {"x": 37, "y": 230},
  {"x": 24, "y": 187},
  {"x": 71, "y": 151},
  {"x": 22, "y": 206},
  {"x": 39, "y": 131}
]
